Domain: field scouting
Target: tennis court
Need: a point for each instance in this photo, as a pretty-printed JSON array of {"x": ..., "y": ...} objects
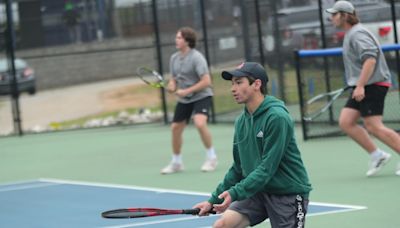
[
  {"x": 67, "y": 179},
  {"x": 82, "y": 203}
]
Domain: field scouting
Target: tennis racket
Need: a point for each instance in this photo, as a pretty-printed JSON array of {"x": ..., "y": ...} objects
[
  {"x": 147, "y": 212},
  {"x": 317, "y": 105},
  {"x": 151, "y": 77}
]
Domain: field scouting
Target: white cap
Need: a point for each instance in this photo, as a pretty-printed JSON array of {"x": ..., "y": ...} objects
[{"x": 341, "y": 6}]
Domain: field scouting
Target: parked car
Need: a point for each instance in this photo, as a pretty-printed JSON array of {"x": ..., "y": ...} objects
[
  {"x": 24, "y": 74},
  {"x": 378, "y": 19},
  {"x": 299, "y": 28}
]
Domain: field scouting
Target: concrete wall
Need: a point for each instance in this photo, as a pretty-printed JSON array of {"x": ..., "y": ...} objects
[
  {"x": 110, "y": 59},
  {"x": 80, "y": 63}
]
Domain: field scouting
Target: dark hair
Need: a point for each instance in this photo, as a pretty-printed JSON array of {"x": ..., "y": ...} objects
[
  {"x": 189, "y": 35},
  {"x": 263, "y": 88},
  {"x": 350, "y": 18}
]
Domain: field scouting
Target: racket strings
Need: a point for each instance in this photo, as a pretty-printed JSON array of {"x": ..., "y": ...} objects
[
  {"x": 318, "y": 105},
  {"x": 151, "y": 77}
]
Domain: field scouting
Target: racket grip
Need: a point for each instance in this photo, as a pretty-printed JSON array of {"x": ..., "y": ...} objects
[{"x": 194, "y": 211}]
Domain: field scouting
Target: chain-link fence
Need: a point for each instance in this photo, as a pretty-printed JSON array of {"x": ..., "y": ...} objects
[{"x": 84, "y": 54}]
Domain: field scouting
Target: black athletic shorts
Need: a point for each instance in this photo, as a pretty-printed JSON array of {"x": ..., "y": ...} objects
[
  {"x": 373, "y": 102},
  {"x": 285, "y": 211},
  {"x": 185, "y": 111}
]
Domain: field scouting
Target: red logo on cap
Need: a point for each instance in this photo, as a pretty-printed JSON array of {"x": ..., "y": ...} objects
[{"x": 240, "y": 65}]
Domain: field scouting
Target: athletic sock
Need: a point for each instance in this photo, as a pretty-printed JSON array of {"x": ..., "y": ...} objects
[
  {"x": 177, "y": 158},
  {"x": 376, "y": 154},
  {"x": 211, "y": 153}
]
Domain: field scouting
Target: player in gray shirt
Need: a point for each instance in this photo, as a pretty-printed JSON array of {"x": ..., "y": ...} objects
[
  {"x": 187, "y": 70},
  {"x": 358, "y": 46},
  {"x": 366, "y": 70},
  {"x": 191, "y": 83}
]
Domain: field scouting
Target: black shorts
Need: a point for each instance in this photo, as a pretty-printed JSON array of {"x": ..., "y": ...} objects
[
  {"x": 373, "y": 102},
  {"x": 286, "y": 211},
  {"x": 184, "y": 111}
]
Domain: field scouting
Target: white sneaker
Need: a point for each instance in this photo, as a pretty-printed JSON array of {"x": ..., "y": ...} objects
[
  {"x": 398, "y": 170},
  {"x": 172, "y": 168},
  {"x": 209, "y": 165},
  {"x": 376, "y": 164}
]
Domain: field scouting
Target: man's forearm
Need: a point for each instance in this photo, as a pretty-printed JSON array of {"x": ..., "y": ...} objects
[
  {"x": 204, "y": 82},
  {"x": 366, "y": 72}
]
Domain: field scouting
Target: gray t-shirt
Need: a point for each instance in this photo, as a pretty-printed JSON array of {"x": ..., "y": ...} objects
[
  {"x": 187, "y": 70},
  {"x": 358, "y": 45}
]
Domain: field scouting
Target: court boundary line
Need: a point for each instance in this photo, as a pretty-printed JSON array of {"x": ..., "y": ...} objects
[
  {"x": 28, "y": 185},
  {"x": 159, "y": 222},
  {"x": 120, "y": 186}
]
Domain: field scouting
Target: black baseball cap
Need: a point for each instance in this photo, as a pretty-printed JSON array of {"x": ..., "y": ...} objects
[{"x": 252, "y": 69}]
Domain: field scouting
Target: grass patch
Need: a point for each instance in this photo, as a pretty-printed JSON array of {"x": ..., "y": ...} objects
[{"x": 223, "y": 100}]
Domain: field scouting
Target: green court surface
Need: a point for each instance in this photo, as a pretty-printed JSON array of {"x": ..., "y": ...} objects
[{"x": 134, "y": 156}]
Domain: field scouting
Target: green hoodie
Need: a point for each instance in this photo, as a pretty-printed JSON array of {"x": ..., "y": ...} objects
[{"x": 266, "y": 156}]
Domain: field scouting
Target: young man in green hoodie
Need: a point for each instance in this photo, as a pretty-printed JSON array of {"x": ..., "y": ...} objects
[{"x": 267, "y": 178}]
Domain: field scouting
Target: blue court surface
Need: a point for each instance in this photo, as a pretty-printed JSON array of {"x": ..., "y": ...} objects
[{"x": 49, "y": 203}]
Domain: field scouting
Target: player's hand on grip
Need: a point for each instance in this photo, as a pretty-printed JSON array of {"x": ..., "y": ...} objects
[
  {"x": 205, "y": 208},
  {"x": 219, "y": 208},
  {"x": 171, "y": 87},
  {"x": 358, "y": 93},
  {"x": 183, "y": 92}
]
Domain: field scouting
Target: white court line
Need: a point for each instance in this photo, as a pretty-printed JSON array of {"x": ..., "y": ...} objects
[
  {"x": 338, "y": 205},
  {"x": 158, "y": 222},
  {"x": 158, "y": 190},
  {"x": 28, "y": 185},
  {"x": 337, "y": 211}
]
